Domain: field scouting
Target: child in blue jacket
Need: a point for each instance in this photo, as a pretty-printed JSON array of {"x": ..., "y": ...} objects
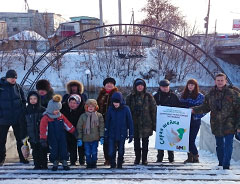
[{"x": 118, "y": 126}]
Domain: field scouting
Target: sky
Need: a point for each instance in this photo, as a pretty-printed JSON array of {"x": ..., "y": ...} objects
[{"x": 222, "y": 11}]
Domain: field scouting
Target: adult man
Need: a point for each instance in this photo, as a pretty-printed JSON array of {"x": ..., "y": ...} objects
[
  {"x": 143, "y": 109},
  {"x": 12, "y": 109},
  {"x": 103, "y": 101},
  {"x": 224, "y": 104},
  {"x": 165, "y": 97},
  {"x": 72, "y": 110}
]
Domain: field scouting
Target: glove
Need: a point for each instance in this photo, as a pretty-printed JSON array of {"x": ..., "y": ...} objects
[
  {"x": 43, "y": 143},
  {"x": 79, "y": 143},
  {"x": 75, "y": 134},
  {"x": 101, "y": 140},
  {"x": 130, "y": 139}
]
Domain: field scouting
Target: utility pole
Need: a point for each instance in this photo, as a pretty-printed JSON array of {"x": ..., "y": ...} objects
[
  {"x": 120, "y": 16},
  {"x": 101, "y": 42},
  {"x": 207, "y": 19}
]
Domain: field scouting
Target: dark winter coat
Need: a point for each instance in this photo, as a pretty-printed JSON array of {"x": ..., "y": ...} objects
[
  {"x": 118, "y": 121},
  {"x": 225, "y": 107},
  {"x": 104, "y": 100},
  {"x": 167, "y": 99},
  {"x": 190, "y": 102},
  {"x": 12, "y": 103},
  {"x": 46, "y": 98},
  {"x": 143, "y": 108},
  {"x": 80, "y": 91},
  {"x": 33, "y": 118}
]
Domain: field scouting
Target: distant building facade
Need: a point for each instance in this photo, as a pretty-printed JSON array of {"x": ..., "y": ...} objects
[
  {"x": 44, "y": 24},
  {"x": 3, "y": 30}
]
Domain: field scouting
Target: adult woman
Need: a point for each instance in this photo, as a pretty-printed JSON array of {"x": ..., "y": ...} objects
[{"x": 192, "y": 97}]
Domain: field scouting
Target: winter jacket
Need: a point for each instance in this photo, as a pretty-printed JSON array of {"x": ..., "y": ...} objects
[
  {"x": 104, "y": 99},
  {"x": 143, "y": 108},
  {"x": 95, "y": 132},
  {"x": 72, "y": 115},
  {"x": 118, "y": 120},
  {"x": 33, "y": 118},
  {"x": 69, "y": 92},
  {"x": 46, "y": 98},
  {"x": 12, "y": 103},
  {"x": 224, "y": 106},
  {"x": 190, "y": 102},
  {"x": 167, "y": 99},
  {"x": 54, "y": 127}
]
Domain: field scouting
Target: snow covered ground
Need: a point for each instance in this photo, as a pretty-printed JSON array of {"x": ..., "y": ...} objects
[{"x": 206, "y": 171}]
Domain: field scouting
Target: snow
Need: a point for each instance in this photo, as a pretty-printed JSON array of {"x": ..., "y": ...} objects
[
  {"x": 27, "y": 35},
  {"x": 174, "y": 173}
]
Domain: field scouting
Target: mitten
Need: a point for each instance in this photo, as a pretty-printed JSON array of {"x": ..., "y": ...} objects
[
  {"x": 101, "y": 140},
  {"x": 79, "y": 142}
]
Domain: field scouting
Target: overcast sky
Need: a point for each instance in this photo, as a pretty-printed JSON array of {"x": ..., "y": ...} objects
[{"x": 224, "y": 11}]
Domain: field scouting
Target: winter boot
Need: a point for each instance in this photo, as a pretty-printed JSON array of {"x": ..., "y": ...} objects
[
  {"x": 89, "y": 165},
  {"x": 94, "y": 165},
  {"x": 55, "y": 165},
  {"x": 160, "y": 156},
  {"x": 189, "y": 159},
  {"x": 65, "y": 165},
  {"x": 170, "y": 156},
  {"x": 137, "y": 157},
  {"x": 119, "y": 163},
  {"x": 144, "y": 157},
  {"x": 2, "y": 162},
  {"x": 24, "y": 161},
  {"x": 196, "y": 158}
]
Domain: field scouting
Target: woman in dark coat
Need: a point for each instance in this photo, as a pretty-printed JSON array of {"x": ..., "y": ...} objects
[
  {"x": 192, "y": 97},
  {"x": 72, "y": 110},
  {"x": 45, "y": 91}
]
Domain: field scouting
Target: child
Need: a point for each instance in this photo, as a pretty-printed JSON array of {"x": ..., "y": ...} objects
[
  {"x": 119, "y": 120},
  {"x": 52, "y": 128},
  {"x": 33, "y": 116},
  {"x": 90, "y": 129}
]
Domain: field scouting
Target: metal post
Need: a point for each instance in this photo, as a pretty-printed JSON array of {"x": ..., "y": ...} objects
[
  {"x": 207, "y": 18},
  {"x": 101, "y": 41},
  {"x": 88, "y": 84},
  {"x": 120, "y": 16}
]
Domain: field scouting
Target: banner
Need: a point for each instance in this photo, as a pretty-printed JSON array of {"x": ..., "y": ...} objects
[
  {"x": 172, "y": 129},
  {"x": 236, "y": 24}
]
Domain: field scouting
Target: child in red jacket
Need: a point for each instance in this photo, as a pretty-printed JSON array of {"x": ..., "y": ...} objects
[{"x": 52, "y": 128}]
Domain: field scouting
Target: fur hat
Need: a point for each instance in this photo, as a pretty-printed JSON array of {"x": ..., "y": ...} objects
[
  {"x": 164, "y": 83},
  {"x": 92, "y": 102},
  {"x": 75, "y": 97},
  {"x": 54, "y": 104},
  {"x": 109, "y": 79},
  {"x": 11, "y": 74},
  {"x": 43, "y": 84}
]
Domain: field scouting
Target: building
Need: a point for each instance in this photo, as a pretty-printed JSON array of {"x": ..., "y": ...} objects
[
  {"x": 44, "y": 24},
  {"x": 76, "y": 25},
  {"x": 3, "y": 30}
]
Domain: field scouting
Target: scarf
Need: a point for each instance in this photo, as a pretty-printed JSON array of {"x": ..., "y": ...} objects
[
  {"x": 51, "y": 115},
  {"x": 92, "y": 121}
]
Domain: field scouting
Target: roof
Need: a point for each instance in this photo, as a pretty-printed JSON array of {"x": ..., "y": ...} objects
[
  {"x": 27, "y": 35},
  {"x": 83, "y": 18}
]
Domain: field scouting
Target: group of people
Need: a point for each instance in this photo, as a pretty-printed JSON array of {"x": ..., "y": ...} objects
[{"x": 73, "y": 126}]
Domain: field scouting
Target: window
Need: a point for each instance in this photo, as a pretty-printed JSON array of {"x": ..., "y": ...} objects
[{"x": 15, "y": 29}]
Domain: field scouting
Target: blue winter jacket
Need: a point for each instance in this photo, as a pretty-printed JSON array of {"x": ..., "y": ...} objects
[
  {"x": 119, "y": 120},
  {"x": 189, "y": 102},
  {"x": 12, "y": 103}
]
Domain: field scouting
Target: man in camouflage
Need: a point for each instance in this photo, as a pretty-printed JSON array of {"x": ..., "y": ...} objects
[
  {"x": 143, "y": 108},
  {"x": 224, "y": 104}
]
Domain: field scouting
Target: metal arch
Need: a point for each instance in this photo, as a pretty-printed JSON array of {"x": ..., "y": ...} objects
[{"x": 140, "y": 26}]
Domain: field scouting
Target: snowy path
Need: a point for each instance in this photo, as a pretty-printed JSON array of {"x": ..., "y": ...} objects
[{"x": 205, "y": 172}]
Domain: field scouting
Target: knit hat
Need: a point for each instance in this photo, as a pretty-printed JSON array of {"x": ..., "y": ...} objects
[
  {"x": 109, "y": 79},
  {"x": 139, "y": 82},
  {"x": 164, "y": 83},
  {"x": 54, "y": 104},
  {"x": 43, "y": 84},
  {"x": 75, "y": 97},
  {"x": 92, "y": 102},
  {"x": 11, "y": 74}
]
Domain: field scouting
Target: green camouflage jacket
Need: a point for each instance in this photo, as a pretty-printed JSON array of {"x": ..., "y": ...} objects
[
  {"x": 143, "y": 108},
  {"x": 225, "y": 110}
]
